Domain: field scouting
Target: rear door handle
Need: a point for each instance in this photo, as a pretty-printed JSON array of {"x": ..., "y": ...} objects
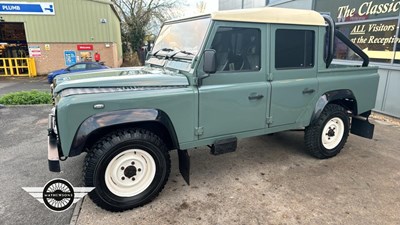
[
  {"x": 308, "y": 91},
  {"x": 255, "y": 97}
]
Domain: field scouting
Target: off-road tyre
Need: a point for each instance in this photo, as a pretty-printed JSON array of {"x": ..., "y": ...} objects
[
  {"x": 136, "y": 153},
  {"x": 326, "y": 137}
]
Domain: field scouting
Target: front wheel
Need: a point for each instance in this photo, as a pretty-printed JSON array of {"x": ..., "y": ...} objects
[
  {"x": 128, "y": 169},
  {"x": 327, "y": 136}
]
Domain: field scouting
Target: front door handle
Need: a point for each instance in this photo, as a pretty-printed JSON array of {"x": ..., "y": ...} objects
[
  {"x": 255, "y": 97},
  {"x": 308, "y": 91}
]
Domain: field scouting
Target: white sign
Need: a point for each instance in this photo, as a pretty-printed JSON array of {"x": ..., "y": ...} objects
[
  {"x": 31, "y": 8},
  {"x": 34, "y": 51}
]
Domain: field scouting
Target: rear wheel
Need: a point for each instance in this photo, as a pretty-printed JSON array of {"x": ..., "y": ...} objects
[
  {"x": 327, "y": 136},
  {"x": 128, "y": 169}
]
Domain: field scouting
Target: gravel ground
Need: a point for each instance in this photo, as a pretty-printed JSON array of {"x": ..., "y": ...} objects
[
  {"x": 272, "y": 180},
  {"x": 385, "y": 118}
]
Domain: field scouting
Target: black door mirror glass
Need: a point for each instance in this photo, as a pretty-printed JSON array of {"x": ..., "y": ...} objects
[{"x": 209, "y": 63}]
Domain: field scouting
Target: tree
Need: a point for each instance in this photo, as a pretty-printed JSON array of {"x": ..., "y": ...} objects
[{"x": 137, "y": 17}]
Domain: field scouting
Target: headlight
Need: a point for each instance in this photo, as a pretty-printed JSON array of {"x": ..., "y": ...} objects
[
  {"x": 56, "y": 99},
  {"x": 62, "y": 79},
  {"x": 52, "y": 120}
]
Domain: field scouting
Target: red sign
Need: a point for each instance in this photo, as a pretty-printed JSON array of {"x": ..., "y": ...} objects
[{"x": 84, "y": 47}]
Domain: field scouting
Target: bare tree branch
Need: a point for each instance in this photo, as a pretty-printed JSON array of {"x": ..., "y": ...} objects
[
  {"x": 201, "y": 6},
  {"x": 140, "y": 17}
]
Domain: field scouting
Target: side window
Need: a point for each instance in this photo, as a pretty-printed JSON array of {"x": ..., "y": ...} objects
[
  {"x": 238, "y": 49},
  {"x": 294, "y": 49},
  {"x": 93, "y": 66},
  {"x": 78, "y": 67}
]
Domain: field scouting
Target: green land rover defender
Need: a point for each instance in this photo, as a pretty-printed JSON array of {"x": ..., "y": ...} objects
[{"x": 209, "y": 81}]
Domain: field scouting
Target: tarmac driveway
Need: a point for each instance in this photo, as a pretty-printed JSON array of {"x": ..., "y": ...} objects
[
  {"x": 23, "y": 163},
  {"x": 13, "y": 84}
]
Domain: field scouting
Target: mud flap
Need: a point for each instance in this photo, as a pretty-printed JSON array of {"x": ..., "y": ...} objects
[
  {"x": 184, "y": 165},
  {"x": 361, "y": 126}
]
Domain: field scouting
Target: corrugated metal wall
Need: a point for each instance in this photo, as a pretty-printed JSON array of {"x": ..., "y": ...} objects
[
  {"x": 116, "y": 32},
  {"x": 387, "y": 100},
  {"x": 74, "y": 21}
]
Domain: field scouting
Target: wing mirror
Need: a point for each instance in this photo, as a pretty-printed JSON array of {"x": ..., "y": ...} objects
[
  {"x": 209, "y": 64},
  {"x": 209, "y": 61}
]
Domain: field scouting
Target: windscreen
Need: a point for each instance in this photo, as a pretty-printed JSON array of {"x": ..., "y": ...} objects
[{"x": 182, "y": 36}]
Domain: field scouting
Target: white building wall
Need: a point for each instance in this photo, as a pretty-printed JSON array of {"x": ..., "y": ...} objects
[
  {"x": 244, "y": 4},
  {"x": 293, "y": 4},
  {"x": 241, "y": 4}
]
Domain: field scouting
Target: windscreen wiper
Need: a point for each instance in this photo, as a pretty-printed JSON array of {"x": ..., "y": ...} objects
[
  {"x": 163, "y": 49},
  {"x": 180, "y": 51}
]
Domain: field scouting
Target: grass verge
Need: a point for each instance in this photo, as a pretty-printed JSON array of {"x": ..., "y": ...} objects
[{"x": 33, "y": 97}]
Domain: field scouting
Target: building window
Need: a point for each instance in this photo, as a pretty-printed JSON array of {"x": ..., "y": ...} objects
[
  {"x": 377, "y": 39},
  {"x": 294, "y": 49},
  {"x": 372, "y": 25},
  {"x": 237, "y": 49}
]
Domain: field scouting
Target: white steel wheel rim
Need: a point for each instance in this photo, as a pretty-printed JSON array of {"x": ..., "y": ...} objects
[
  {"x": 332, "y": 133},
  {"x": 130, "y": 173}
]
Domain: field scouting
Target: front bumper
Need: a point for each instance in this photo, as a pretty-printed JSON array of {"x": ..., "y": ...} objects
[{"x": 52, "y": 150}]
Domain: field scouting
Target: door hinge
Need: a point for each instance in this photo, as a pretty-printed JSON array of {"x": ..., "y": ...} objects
[
  {"x": 269, "y": 120},
  {"x": 198, "y": 131},
  {"x": 270, "y": 77}
]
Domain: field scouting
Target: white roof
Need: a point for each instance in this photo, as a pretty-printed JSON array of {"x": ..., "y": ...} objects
[{"x": 271, "y": 15}]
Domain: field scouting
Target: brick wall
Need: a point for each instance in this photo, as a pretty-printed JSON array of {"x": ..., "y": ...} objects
[{"x": 53, "y": 58}]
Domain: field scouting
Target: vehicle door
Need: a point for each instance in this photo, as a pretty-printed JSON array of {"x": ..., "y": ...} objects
[
  {"x": 293, "y": 73},
  {"x": 235, "y": 98}
]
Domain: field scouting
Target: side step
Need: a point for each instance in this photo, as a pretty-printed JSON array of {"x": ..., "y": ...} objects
[{"x": 224, "y": 146}]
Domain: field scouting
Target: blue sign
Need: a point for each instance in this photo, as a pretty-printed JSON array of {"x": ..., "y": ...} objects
[
  {"x": 32, "y": 8},
  {"x": 70, "y": 58}
]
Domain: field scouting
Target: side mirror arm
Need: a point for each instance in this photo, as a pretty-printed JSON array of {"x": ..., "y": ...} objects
[{"x": 201, "y": 78}]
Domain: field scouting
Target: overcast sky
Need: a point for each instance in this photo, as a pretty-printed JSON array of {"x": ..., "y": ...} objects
[{"x": 211, "y": 6}]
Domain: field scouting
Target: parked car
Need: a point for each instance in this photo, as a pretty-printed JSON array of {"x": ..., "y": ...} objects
[{"x": 81, "y": 66}]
